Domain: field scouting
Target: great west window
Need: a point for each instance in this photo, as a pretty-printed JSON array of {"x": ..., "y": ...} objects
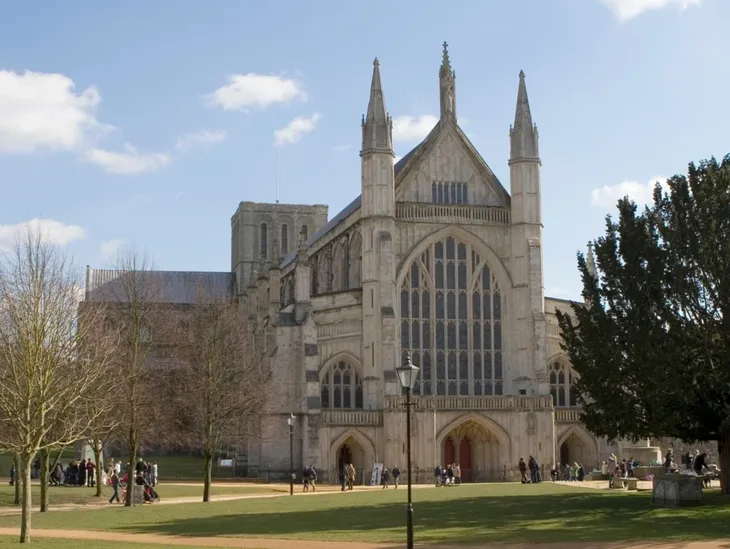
[{"x": 451, "y": 321}]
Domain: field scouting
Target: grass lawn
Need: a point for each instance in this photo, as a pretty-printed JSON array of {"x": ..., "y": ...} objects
[
  {"x": 467, "y": 514},
  {"x": 51, "y": 543},
  {"x": 66, "y": 494}
]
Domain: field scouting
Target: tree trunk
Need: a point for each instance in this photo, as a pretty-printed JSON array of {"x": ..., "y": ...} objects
[
  {"x": 207, "y": 475},
  {"x": 99, "y": 469},
  {"x": 723, "y": 450},
  {"x": 16, "y": 461},
  {"x": 130, "y": 474},
  {"x": 45, "y": 454},
  {"x": 26, "y": 462}
]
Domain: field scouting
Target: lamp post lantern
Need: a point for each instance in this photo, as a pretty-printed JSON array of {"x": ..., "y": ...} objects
[
  {"x": 407, "y": 375},
  {"x": 290, "y": 421}
]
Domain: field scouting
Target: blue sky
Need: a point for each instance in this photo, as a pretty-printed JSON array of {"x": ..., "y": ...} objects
[{"x": 148, "y": 122}]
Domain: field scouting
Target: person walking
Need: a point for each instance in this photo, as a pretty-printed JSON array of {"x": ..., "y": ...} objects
[{"x": 115, "y": 486}]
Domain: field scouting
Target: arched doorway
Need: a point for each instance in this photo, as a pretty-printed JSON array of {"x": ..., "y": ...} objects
[
  {"x": 350, "y": 451},
  {"x": 575, "y": 450},
  {"x": 475, "y": 449}
]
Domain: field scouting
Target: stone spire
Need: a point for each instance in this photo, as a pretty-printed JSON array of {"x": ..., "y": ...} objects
[
  {"x": 377, "y": 125},
  {"x": 523, "y": 135},
  {"x": 447, "y": 86},
  {"x": 590, "y": 261}
]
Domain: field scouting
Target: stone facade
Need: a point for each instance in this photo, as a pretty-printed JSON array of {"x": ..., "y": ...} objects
[{"x": 435, "y": 259}]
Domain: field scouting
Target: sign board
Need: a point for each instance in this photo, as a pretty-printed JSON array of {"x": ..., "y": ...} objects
[
  {"x": 377, "y": 471},
  {"x": 137, "y": 494},
  {"x": 225, "y": 462}
]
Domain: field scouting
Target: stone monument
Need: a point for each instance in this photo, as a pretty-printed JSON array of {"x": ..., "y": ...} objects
[{"x": 642, "y": 451}]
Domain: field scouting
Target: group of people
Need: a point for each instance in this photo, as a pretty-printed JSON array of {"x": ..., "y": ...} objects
[
  {"x": 145, "y": 475},
  {"x": 447, "y": 476},
  {"x": 347, "y": 476},
  {"x": 385, "y": 477},
  {"x": 571, "y": 473},
  {"x": 532, "y": 467},
  {"x": 309, "y": 478}
]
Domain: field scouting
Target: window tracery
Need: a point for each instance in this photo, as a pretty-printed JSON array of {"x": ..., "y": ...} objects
[
  {"x": 562, "y": 379},
  {"x": 451, "y": 321},
  {"x": 341, "y": 387}
]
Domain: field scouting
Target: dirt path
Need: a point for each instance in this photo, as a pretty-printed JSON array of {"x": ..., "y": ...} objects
[{"x": 267, "y": 543}]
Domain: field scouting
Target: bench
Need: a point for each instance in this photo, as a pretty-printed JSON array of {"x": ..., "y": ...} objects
[{"x": 625, "y": 483}]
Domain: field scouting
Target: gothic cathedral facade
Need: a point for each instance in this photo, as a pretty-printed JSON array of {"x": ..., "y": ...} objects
[{"x": 437, "y": 260}]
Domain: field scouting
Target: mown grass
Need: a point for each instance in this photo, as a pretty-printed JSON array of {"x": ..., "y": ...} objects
[
  {"x": 60, "y": 495},
  {"x": 469, "y": 514}
]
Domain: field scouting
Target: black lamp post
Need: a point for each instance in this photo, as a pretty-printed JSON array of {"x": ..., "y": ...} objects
[
  {"x": 407, "y": 375},
  {"x": 290, "y": 421}
]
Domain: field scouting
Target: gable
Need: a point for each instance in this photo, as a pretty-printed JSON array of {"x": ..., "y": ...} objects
[{"x": 447, "y": 156}]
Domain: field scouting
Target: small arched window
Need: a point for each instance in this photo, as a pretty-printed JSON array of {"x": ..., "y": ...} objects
[
  {"x": 145, "y": 333},
  {"x": 562, "y": 379},
  {"x": 264, "y": 241},
  {"x": 305, "y": 233},
  {"x": 284, "y": 239},
  {"x": 342, "y": 387}
]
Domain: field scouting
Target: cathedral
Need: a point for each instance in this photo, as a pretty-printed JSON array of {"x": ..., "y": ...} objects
[{"x": 435, "y": 259}]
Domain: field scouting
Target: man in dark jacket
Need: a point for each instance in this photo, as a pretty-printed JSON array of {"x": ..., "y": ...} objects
[{"x": 396, "y": 473}]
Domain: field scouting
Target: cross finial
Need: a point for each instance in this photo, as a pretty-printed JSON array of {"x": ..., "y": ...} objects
[{"x": 446, "y": 62}]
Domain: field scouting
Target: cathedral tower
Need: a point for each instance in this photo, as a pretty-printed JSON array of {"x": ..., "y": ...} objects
[
  {"x": 530, "y": 374},
  {"x": 378, "y": 256}
]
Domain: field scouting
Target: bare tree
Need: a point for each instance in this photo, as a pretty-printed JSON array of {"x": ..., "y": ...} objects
[
  {"x": 48, "y": 376},
  {"x": 224, "y": 377},
  {"x": 138, "y": 317}
]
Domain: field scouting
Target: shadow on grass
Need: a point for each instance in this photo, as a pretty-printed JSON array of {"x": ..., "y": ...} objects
[{"x": 582, "y": 516}]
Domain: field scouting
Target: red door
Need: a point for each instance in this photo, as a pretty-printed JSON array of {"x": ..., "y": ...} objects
[
  {"x": 449, "y": 452},
  {"x": 465, "y": 459}
]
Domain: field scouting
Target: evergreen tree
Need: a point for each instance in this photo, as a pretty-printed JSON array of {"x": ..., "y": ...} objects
[{"x": 652, "y": 343}]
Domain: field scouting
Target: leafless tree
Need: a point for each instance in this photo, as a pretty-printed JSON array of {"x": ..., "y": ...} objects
[
  {"x": 224, "y": 377},
  {"x": 136, "y": 314},
  {"x": 48, "y": 376}
]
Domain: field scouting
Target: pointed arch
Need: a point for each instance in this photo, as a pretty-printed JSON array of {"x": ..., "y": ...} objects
[
  {"x": 452, "y": 314},
  {"x": 589, "y": 443},
  {"x": 354, "y": 260},
  {"x": 341, "y": 383},
  {"x": 342, "y": 355},
  {"x": 562, "y": 377},
  {"x": 495, "y": 263},
  {"x": 360, "y": 438},
  {"x": 339, "y": 266},
  {"x": 487, "y": 423}
]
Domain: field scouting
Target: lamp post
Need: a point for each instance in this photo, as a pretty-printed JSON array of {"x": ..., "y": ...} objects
[
  {"x": 407, "y": 375},
  {"x": 290, "y": 421}
]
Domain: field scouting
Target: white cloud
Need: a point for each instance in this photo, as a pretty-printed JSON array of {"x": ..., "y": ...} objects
[
  {"x": 129, "y": 162},
  {"x": 255, "y": 90},
  {"x": 110, "y": 248},
  {"x": 341, "y": 148},
  {"x": 413, "y": 128},
  {"x": 53, "y": 231},
  {"x": 200, "y": 139},
  {"x": 292, "y": 132},
  {"x": 628, "y": 9},
  {"x": 641, "y": 193},
  {"x": 43, "y": 111}
]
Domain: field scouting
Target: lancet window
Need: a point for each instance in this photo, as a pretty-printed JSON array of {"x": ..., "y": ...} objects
[
  {"x": 562, "y": 378},
  {"x": 449, "y": 193},
  {"x": 264, "y": 240},
  {"x": 284, "y": 239},
  {"x": 451, "y": 321},
  {"x": 341, "y": 387}
]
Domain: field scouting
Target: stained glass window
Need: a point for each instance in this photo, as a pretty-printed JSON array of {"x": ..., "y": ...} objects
[
  {"x": 451, "y": 321},
  {"x": 562, "y": 378},
  {"x": 341, "y": 387}
]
